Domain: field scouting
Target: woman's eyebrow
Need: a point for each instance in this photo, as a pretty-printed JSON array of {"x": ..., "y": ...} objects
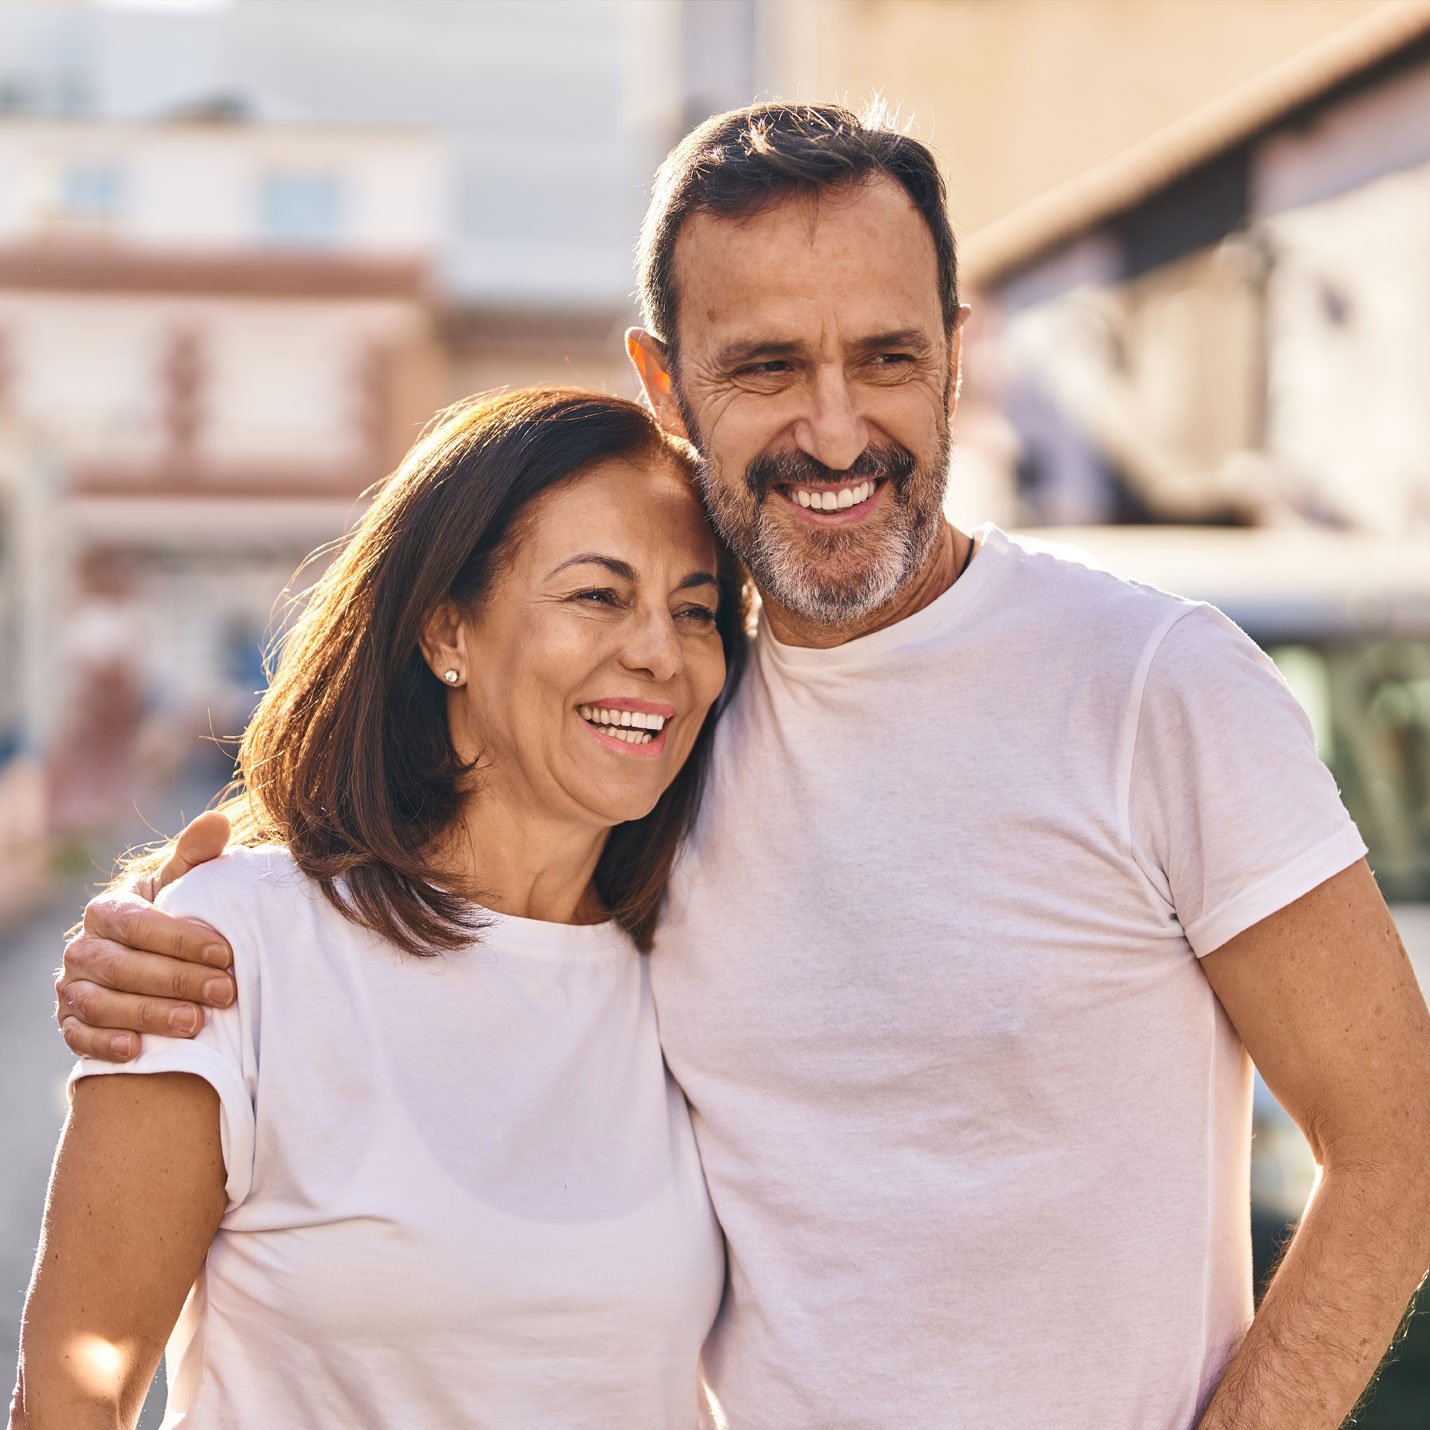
[
  {"x": 627, "y": 572},
  {"x": 623, "y": 569}
]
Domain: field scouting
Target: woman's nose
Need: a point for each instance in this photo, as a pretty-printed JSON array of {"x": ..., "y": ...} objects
[{"x": 652, "y": 646}]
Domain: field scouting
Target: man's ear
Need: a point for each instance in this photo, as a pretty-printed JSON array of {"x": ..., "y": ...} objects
[
  {"x": 651, "y": 361},
  {"x": 955, "y": 357}
]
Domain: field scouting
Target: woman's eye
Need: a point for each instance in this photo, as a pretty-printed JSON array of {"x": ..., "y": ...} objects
[
  {"x": 602, "y": 597},
  {"x": 701, "y": 615}
]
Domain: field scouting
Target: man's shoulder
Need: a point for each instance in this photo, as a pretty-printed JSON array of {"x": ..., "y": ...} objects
[
  {"x": 1058, "y": 594},
  {"x": 1069, "y": 576}
]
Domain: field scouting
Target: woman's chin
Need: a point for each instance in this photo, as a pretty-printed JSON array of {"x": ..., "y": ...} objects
[
  {"x": 618, "y": 803},
  {"x": 627, "y": 809}
]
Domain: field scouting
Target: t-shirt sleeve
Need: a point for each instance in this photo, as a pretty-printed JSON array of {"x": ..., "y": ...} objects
[
  {"x": 224, "y": 1051},
  {"x": 1232, "y": 815}
]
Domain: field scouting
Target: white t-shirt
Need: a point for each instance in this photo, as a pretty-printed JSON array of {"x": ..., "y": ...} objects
[
  {"x": 462, "y": 1191},
  {"x": 975, "y": 1126}
]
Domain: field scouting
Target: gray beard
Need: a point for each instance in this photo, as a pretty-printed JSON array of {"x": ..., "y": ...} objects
[{"x": 800, "y": 585}]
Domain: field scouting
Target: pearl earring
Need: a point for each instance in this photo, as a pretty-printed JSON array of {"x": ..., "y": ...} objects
[{"x": 451, "y": 677}]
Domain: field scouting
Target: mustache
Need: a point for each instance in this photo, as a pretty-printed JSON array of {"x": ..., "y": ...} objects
[{"x": 787, "y": 469}]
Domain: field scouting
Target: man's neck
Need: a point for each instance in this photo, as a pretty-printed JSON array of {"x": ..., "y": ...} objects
[{"x": 944, "y": 564}]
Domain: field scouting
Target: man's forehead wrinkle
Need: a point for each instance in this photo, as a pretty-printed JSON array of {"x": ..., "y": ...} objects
[
  {"x": 784, "y": 274},
  {"x": 808, "y": 207}
]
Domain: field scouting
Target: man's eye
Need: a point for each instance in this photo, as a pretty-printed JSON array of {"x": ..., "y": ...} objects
[
  {"x": 893, "y": 359},
  {"x": 776, "y": 367}
]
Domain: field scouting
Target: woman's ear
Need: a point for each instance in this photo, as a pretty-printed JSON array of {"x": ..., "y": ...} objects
[{"x": 444, "y": 644}]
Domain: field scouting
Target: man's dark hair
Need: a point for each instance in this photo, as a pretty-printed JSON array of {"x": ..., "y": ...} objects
[{"x": 743, "y": 162}]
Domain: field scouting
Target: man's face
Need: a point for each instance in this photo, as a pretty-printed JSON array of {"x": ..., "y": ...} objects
[{"x": 815, "y": 377}]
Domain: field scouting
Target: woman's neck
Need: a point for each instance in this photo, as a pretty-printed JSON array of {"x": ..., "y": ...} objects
[{"x": 528, "y": 868}]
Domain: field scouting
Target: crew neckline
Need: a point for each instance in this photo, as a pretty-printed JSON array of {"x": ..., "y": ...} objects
[
  {"x": 501, "y": 932},
  {"x": 952, "y": 607},
  {"x": 511, "y": 933}
]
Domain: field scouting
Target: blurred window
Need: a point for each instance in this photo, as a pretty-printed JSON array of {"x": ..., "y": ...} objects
[
  {"x": 92, "y": 189},
  {"x": 1369, "y": 701},
  {"x": 300, "y": 209}
]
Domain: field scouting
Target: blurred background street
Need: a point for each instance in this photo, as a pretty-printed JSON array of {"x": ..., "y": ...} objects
[
  {"x": 34, "y": 1062},
  {"x": 248, "y": 248}
]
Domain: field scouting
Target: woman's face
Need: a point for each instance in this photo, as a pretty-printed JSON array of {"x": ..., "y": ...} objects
[{"x": 593, "y": 659}]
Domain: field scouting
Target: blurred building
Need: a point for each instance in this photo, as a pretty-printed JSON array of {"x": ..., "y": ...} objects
[
  {"x": 32, "y": 554},
  {"x": 1019, "y": 96},
  {"x": 1226, "y": 324},
  {"x": 551, "y": 118},
  {"x": 219, "y": 334},
  {"x": 246, "y": 251}
]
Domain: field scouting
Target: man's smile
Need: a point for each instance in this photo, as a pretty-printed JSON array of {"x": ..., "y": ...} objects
[{"x": 827, "y": 504}]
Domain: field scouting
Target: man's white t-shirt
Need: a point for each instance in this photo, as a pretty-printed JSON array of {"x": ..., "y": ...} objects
[
  {"x": 975, "y": 1126},
  {"x": 462, "y": 1190}
]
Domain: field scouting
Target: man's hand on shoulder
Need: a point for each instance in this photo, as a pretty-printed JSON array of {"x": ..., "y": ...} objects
[{"x": 135, "y": 969}]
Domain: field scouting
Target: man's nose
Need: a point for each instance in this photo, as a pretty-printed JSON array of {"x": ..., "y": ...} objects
[
  {"x": 833, "y": 431},
  {"x": 652, "y": 646}
]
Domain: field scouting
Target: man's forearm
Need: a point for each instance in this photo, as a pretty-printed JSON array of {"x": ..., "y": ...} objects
[{"x": 1334, "y": 1304}]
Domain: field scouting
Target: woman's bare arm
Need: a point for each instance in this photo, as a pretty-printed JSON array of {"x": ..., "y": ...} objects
[{"x": 136, "y": 1195}]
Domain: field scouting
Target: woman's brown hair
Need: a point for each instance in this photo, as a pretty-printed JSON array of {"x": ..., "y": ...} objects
[{"x": 348, "y": 759}]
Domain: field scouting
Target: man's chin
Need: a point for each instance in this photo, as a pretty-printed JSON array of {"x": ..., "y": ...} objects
[{"x": 833, "y": 598}]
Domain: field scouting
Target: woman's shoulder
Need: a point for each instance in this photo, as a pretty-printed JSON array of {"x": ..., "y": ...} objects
[{"x": 253, "y": 883}]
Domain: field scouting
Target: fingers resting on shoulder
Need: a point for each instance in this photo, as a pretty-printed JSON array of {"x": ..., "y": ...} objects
[{"x": 135, "y": 969}]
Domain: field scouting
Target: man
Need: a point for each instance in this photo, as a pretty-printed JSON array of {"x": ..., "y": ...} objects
[{"x": 1005, "y": 867}]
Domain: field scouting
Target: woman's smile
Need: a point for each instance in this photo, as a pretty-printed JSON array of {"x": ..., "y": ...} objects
[{"x": 628, "y": 727}]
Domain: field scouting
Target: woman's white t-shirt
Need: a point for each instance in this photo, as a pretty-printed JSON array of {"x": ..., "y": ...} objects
[{"x": 462, "y": 1190}]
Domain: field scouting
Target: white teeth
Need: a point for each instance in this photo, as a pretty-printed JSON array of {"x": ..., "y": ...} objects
[
  {"x": 631, "y": 737},
  {"x": 840, "y": 500},
  {"x": 634, "y": 726}
]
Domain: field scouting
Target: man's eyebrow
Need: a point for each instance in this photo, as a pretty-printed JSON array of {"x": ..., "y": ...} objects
[
  {"x": 733, "y": 354},
  {"x": 623, "y": 569},
  {"x": 757, "y": 350},
  {"x": 914, "y": 338}
]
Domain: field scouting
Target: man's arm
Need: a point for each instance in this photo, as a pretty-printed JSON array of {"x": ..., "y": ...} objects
[
  {"x": 136, "y": 1196},
  {"x": 135, "y": 969},
  {"x": 1326, "y": 1002}
]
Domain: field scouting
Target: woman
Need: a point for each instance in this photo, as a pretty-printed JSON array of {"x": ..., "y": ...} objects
[{"x": 429, "y": 1170}]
